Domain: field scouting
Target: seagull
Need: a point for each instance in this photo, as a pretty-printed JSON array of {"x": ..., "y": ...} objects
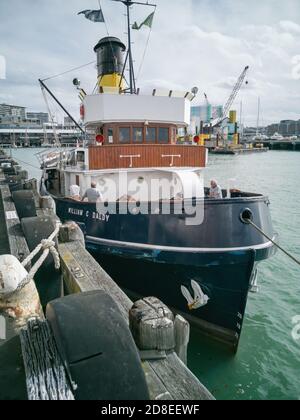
[{"x": 199, "y": 300}]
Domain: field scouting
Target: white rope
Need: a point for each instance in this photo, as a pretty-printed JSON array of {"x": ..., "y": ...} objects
[{"x": 47, "y": 246}]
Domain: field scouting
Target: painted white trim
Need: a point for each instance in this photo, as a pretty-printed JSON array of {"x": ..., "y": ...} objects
[
  {"x": 130, "y": 170},
  {"x": 177, "y": 249}
]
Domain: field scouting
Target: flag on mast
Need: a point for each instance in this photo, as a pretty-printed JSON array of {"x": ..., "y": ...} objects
[
  {"x": 93, "y": 15},
  {"x": 147, "y": 22}
]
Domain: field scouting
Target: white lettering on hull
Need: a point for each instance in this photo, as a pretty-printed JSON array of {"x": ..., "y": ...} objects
[
  {"x": 75, "y": 212},
  {"x": 93, "y": 215}
]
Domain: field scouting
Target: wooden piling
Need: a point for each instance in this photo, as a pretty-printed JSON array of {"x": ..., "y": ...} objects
[{"x": 182, "y": 337}]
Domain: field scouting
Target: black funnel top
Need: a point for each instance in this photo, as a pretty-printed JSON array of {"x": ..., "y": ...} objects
[
  {"x": 110, "y": 51},
  {"x": 110, "y": 40}
]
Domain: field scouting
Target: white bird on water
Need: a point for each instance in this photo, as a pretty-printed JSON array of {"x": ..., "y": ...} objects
[{"x": 199, "y": 300}]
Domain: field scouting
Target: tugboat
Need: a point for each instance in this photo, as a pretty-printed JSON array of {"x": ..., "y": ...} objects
[{"x": 155, "y": 230}]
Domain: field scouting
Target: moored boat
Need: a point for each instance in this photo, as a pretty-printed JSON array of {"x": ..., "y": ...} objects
[{"x": 155, "y": 229}]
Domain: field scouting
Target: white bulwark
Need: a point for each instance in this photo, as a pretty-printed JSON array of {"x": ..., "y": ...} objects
[{"x": 107, "y": 108}]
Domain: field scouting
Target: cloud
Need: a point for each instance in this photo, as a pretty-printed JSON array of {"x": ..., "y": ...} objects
[
  {"x": 193, "y": 43},
  {"x": 289, "y": 26}
]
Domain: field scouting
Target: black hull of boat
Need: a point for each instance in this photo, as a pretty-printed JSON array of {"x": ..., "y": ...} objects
[{"x": 156, "y": 254}]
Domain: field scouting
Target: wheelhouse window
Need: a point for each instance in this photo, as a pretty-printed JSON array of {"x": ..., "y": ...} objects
[
  {"x": 80, "y": 157},
  {"x": 137, "y": 133},
  {"x": 124, "y": 135},
  {"x": 150, "y": 135},
  {"x": 163, "y": 135},
  {"x": 110, "y": 136}
]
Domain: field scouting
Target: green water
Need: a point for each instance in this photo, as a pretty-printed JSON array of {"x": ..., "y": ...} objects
[
  {"x": 267, "y": 364},
  {"x": 268, "y": 361}
]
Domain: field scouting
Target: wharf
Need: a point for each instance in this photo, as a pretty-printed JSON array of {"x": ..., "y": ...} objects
[
  {"x": 283, "y": 145},
  {"x": 238, "y": 151}
]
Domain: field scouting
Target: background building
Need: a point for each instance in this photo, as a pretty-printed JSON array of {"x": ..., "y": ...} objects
[
  {"x": 68, "y": 122},
  {"x": 286, "y": 128},
  {"x": 18, "y": 128},
  {"x": 40, "y": 117},
  {"x": 206, "y": 114},
  {"x": 17, "y": 112}
]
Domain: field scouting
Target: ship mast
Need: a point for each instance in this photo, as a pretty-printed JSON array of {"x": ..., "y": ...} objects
[{"x": 128, "y": 4}]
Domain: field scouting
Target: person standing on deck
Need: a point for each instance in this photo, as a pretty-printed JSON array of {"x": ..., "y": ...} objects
[
  {"x": 215, "y": 190},
  {"x": 75, "y": 193},
  {"x": 93, "y": 195}
]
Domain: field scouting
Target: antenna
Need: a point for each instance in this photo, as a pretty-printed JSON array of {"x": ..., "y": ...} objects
[{"x": 128, "y": 4}]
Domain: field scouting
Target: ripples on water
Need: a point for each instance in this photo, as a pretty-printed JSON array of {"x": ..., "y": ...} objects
[
  {"x": 268, "y": 361},
  {"x": 267, "y": 364}
]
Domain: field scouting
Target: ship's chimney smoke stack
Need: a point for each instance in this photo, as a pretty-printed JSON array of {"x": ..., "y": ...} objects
[{"x": 110, "y": 63}]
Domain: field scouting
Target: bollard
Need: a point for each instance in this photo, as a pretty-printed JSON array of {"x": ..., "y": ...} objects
[
  {"x": 152, "y": 327},
  {"x": 71, "y": 232},
  {"x": 47, "y": 203},
  {"x": 31, "y": 185},
  {"x": 16, "y": 306}
]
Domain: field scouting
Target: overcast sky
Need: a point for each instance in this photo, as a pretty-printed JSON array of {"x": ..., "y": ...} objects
[{"x": 204, "y": 43}]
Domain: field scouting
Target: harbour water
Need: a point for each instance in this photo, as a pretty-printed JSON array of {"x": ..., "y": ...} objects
[{"x": 267, "y": 364}]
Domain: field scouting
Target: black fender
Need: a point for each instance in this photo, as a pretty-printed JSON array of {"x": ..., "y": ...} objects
[
  {"x": 97, "y": 348},
  {"x": 24, "y": 203}
]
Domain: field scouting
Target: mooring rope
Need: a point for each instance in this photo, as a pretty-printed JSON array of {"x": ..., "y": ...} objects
[
  {"x": 47, "y": 246},
  {"x": 249, "y": 221}
]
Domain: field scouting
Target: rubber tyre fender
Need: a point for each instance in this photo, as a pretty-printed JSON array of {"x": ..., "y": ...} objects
[
  {"x": 97, "y": 348},
  {"x": 24, "y": 203}
]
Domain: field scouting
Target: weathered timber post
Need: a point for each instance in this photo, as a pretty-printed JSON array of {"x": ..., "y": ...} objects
[
  {"x": 47, "y": 203},
  {"x": 70, "y": 232},
  {"x": 31, "y": 185},
  {"x": 152, "y": 326},
  {"x": 156, "y": 332},
  {"x": 182, "y": 337}
]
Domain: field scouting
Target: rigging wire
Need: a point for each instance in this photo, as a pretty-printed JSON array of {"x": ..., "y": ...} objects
[
  {"x": 26, "y": 163},
  {"x": 113, "y": 53},
  {"x": 144, "y": 56},
  {"x": 111, "y": 46},
  {"x": 145, "y": 51},
  {"x": 84, "y": 65},
  {"x": 69, "y": 71},
  {"x": 52, "y": 116},
  {"x": 107, "y": 32}
]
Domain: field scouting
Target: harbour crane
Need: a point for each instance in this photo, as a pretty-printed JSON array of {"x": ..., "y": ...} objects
[
  {"x": 231, "y": 99},
  {"x": 237, "y": 87}
]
